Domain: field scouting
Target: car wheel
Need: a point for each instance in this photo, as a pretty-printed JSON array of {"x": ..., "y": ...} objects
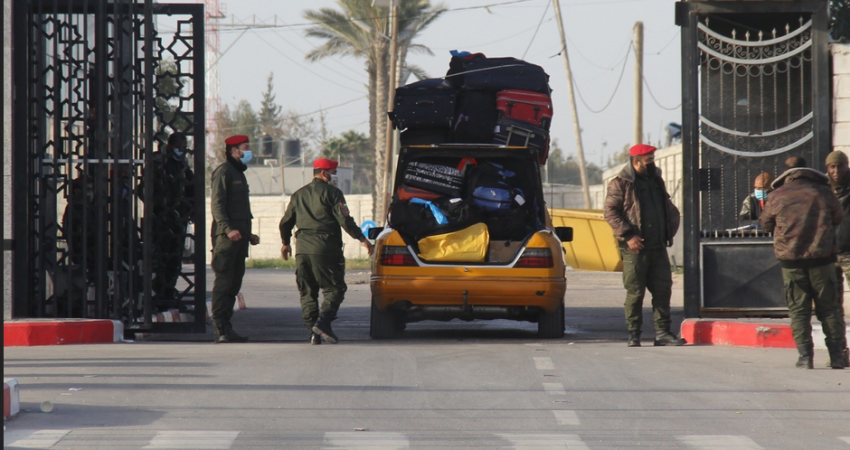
[
  {"x": 383, "y": 324},
  {"x": 550, "y": 325}
]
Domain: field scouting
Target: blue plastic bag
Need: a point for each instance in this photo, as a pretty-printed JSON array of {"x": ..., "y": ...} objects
[{"x": 438, "y": 214}]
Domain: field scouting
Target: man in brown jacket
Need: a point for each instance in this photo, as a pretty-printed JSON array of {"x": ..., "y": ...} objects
[
  {"x": 802, "y": 212},
  {"x": 644, "y": 220}
]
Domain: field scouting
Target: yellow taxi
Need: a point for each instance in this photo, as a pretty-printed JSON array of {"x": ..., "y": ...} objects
[{"x": 521, "y": 275}]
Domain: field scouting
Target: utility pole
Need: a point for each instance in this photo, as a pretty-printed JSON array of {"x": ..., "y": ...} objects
[
  {"x": 576, "y": 128},
  {"x": 388, "y": 159},
  {"x": 638, "y": 137}
]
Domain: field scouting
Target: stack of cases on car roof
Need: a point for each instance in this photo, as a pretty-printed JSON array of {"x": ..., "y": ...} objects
[{"x": 482, "y": 101}]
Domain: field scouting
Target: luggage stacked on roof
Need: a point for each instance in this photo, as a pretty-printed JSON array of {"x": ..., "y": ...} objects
[{"x": 481, "y": 100}]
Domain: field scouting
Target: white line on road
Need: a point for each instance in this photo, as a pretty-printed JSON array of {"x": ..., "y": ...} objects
[
  {"x": 566, "y": 417},
  {"x": 720, "y": 442},
  {"x": 33, "y": 438},
  {"x": 543, "y": 363},
  {"x": 193, "y": 439},
  {"x": 366, "y": 440},
  {"x": 845, "y": 439},
  {"x": 554, "y": 388},
  {"x": 545, "y": 441}
]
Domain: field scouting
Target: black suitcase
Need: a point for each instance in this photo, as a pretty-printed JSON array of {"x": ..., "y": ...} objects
[
  {"x": 498, "y": 74},
  {"x": 424, "y": 104},
  {"x": 443, "y": 180},
  {"x": 475, "y": 118},
  {"x": 424, "y": 136},
  {"x": 522, "y": 134}
]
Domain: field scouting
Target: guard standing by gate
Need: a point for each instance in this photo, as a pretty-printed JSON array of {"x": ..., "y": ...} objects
[
  {"x": 839, "y": 178},
  {"x": 319, "y": 210},
  {"x": 644, "y": 220},
  {"x": 231, "y": 234}
]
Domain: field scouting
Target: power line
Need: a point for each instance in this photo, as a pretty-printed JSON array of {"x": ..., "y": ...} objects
[
  {"x": 538, "y": 28},
  {"x": 617, "y": 62},
  {"x": 311, "y": 113},
  {"x": 656, "y": 100},
  {"x": 616, "y": 88},
  {"x": 666, "y": 45}
]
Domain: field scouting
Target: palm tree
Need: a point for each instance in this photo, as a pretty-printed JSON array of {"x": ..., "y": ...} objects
[{"x": 361, "y": 31}]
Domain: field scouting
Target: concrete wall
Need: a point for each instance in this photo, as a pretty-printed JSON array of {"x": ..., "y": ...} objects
[
  {"x": 269, "y": 209},
  {"x": 7, "y": 157},
  {"x": 841, "y": 97}
]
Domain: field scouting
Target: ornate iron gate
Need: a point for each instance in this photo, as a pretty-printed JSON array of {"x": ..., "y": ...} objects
[
  {"x": 99, "y": 88},
  {"x": 755, "y": 92}
]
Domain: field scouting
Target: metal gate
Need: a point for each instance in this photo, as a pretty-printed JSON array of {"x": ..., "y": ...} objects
[
  {"x": 755, "y": 92},
  {"x": 98, "y": 218}
]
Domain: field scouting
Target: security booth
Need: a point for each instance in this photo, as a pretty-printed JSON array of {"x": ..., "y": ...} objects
[
  {"x": 100, "y": 218},
  {"x": 755, "y": 91}
]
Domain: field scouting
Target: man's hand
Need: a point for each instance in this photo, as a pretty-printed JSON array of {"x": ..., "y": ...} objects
[
  {"x": 255, "y": 239},
  {"x": 234, "y": 236},
  {"x": 285, "y": 252},
  {"x": 635, "y": 244},
  {"x": 368, "y": 246}
]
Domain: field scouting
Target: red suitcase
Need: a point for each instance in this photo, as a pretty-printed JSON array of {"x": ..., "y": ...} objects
[{"x": 527, "y": 106}]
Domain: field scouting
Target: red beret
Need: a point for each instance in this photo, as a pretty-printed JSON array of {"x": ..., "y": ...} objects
[
  {"x": 236, "y": 140},
  {"x": 325, "y": 164},
  {"x": 641, "y": 149}
]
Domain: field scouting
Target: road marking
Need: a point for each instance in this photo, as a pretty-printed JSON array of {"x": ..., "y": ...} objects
[
  {"x": 720, "y": 442},
  {"x": 545, "y": 441},
  {"x": 207, "y": 440},
  {"x": 566, "y": 417},
  {"x": 554, "y": 388},
  {"x": 33, "y": 438},
  {"x": 845, "y": 439},
  {"x": 366, "y": 440},
  {"x": 543, "y": 363}
]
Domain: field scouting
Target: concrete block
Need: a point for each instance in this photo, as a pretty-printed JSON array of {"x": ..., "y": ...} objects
[
  {"x": 841, "y": 134},
  {"x": 11, "y": 398},
  {"x": 840, "y": 111},
  {"x": 840, "y": 58},
  {"x": 841, "y": 86}
]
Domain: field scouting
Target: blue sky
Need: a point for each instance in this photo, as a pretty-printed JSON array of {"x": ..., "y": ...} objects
[{"x": 598, "y": 33}]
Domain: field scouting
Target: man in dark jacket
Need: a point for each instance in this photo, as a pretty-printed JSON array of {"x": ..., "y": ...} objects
[
  {"x": 802, "y": 213},
  {"x": 319, "y": 210},
  {"x": 644, "y": 220},
  {"x": 839, "y": 179},
  {"x": 754, "y": 203},
  {"x": 231, "y": 233}
]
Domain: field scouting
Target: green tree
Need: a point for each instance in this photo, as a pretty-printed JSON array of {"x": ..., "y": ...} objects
[
  {"x": 360, "y": 31},
  {"x": 269, "y": 113},
  {"x": 618, "y": 158},
  {"x": 245, "y": 121},
  {"x": 566, "y": 171},
  {"x": 352, "y": 149}
]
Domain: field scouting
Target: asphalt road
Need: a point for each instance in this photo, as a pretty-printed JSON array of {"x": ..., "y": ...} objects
[{"x": 487, "y": 385}]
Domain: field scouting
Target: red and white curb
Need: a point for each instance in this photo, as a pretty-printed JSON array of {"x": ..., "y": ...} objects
[
  {"x": 11, "y": 403},
  {"x": 34, "y": 332},
  {"x": 746, "y": 334}
]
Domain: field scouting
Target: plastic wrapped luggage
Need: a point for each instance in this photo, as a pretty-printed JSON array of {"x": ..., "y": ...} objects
[
  {"x": 522, "y": 134},
  {"x": 428, "y": 104},
  {"x": 497, "y": 74},
  {"x": 466, "y": 245},
  {"x": 531, "y": 107},
  {"x": 443, "y": 180}
]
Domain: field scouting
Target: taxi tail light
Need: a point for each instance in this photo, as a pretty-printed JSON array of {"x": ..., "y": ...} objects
[
  {"x": 535, "y": 258},
  {"x": 396, "y": 256}
]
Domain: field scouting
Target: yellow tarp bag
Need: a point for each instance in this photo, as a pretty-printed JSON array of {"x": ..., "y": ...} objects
[{"x": 467, "y": 245}]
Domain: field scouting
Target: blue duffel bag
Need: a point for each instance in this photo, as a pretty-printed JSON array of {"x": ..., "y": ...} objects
[{"x": 492, "y": 198}]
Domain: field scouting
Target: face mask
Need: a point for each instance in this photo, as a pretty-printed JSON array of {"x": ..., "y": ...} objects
[
  {"x": 334, "y": 179},
  {"x": 650, "y": 169},
  {"x": 246, "y": 157},
  {"x": 178, "y": 153},
  {"x": 760, "y": 194}
]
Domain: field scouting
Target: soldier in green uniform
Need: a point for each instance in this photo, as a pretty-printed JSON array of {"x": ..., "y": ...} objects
[
  {"x": 644, "y": 220},
  {"x": 319, "y": 210},
  {"x": 839, "y": 179},
  {"x": 231, "y": 234}
]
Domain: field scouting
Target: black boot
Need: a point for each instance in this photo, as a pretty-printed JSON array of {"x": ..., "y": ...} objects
[
  {"x": 220, "y": 333},
  {"x": 323, "y": 327},
  {"x": 807, "y": 356},
  {"x": 665, "y": 338},
  {"x": 634, "y": 339},
  {"x": 836, "y": 354},
  {"x": 232, "y": 335},
  {"x": 315, "y": 339}
]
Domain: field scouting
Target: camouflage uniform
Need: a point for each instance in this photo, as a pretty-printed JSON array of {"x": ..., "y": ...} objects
[
  {"x": 625, "y": 211},
  {"x": 319, "y": 210},
  {"x": 803, "y": 212},
  {"x": 842, "y": 235}
]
